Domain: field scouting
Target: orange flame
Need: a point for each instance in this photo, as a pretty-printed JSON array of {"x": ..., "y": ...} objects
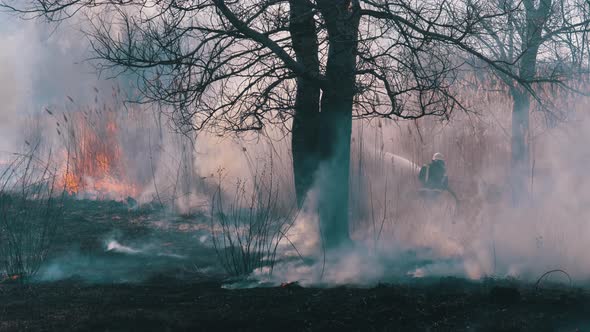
[
  {"x": 95, "y": 162},
  {"x": 71, "y": 183},
  {"x": 10, "y": 278}
]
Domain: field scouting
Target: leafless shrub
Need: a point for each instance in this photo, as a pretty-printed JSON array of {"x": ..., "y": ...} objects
[
  {"x": 249, "y": 225},
  {"x": 31, "y": 205}
]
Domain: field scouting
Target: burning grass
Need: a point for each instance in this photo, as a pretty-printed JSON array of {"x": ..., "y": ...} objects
[
  {"x": 95, "y": 163},
  {"x": 117, "y": 151}
]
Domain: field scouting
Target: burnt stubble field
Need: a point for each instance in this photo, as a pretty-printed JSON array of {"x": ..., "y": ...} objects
[{"x": 110, "y": 288}]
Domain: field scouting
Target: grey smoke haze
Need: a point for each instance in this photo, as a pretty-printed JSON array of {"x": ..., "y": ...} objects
[
  {"x": 43, "y": 65},
  {"x": 40, "y": 65}
]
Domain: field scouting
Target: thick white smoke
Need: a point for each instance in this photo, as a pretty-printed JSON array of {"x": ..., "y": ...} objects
[{"x": 482, "y": 236}]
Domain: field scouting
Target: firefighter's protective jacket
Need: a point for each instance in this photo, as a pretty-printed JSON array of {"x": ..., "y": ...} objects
[{"x": 434, "y": 175}]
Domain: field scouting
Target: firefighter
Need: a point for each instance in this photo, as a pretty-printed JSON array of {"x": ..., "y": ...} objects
[
  {"x": 434, "y": 175},
  {"x": 435, "y": 181}
]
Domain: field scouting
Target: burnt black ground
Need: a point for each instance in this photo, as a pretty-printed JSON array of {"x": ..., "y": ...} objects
[
  {"x": 166, "y": 305},
  {"x": 168, "y": 295}
]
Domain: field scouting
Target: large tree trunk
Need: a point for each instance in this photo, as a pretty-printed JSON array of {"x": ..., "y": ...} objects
[
  {"x": 520, "y": 156},
  {"x": 305, "y": 130},
  {"x": 520, "y": 159},
  {"x": 342, "y": 20}
]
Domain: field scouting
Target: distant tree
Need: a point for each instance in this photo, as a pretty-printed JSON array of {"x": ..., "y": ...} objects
[
  {"x": 240, "y": 65},
  {"x": 551, "y": 34}
]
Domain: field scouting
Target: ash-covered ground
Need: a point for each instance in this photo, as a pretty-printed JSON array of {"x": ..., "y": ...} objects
[{"x": 121, "y": 269}]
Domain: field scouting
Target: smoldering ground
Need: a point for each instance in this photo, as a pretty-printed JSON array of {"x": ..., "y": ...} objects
[
  {"x": 106, "y": 242},
  {"x": 399, "y": 235}
]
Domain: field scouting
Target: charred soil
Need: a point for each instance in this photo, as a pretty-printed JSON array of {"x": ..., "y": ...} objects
[
  {"x": 163, "y": 293},
  {"x": 168, "y": 305}
]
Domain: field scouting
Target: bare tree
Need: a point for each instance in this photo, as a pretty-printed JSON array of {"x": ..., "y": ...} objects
[
  {"x": 236, "y": 65},
  {"x": 547, "y": 33}
]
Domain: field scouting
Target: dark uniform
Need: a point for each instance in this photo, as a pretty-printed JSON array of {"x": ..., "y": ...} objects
[
  {"x": 434, "y": 179},
  {"x": 434, "y": 175}
]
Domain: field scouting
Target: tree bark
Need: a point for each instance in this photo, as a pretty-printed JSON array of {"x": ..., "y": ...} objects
[
  {"x": 520, "y": 159},
  {"x": 305, "y": 128},
  {"x": 520, "y": 154},
  {"x": 342, "y": 21}
]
